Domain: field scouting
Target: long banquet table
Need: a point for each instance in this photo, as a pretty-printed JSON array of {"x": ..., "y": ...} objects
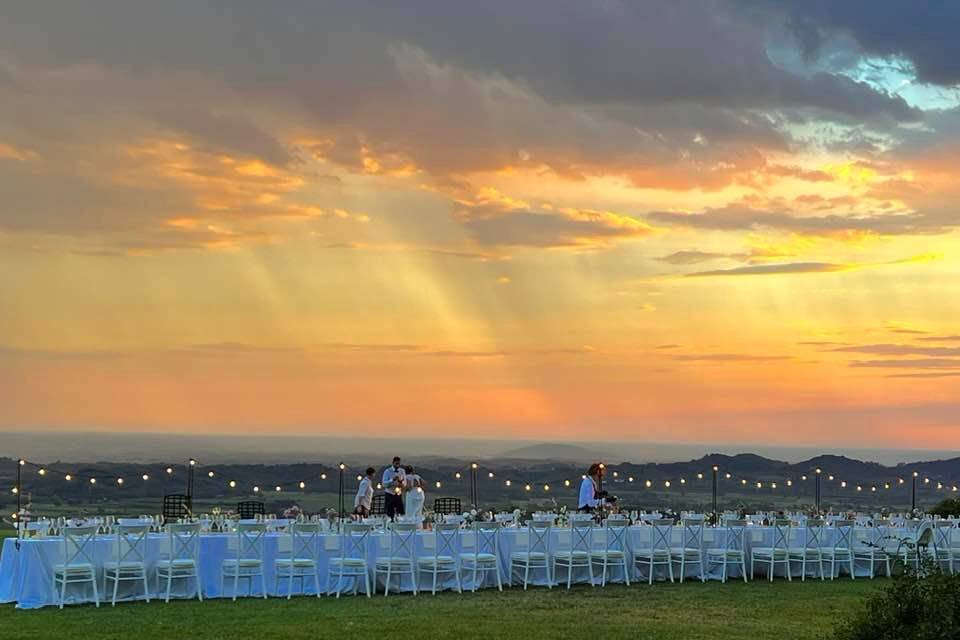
[{"x": 26, "y": 573}]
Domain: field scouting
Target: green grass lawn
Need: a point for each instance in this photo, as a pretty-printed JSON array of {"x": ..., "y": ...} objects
[{"x": 690, "y": 611}]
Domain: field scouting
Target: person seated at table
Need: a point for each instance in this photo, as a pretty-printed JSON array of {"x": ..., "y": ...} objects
[
  {"x": 591, "y": 498},
  {"x": 364, "y": 498}
]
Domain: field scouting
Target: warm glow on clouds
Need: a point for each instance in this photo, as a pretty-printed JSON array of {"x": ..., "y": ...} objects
[{"x": 435, "y": 223}]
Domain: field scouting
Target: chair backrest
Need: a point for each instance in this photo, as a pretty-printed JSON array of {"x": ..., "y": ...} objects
[
  {"x": 538, "y": 536},
  {"x": 843, "y": 539},
  {"x": 447, "y": 505},
  {"x": 813, "y": 529},
  {"x": 616, "y": 532},
  {"x": 378, "y": 506},
  {"x": 78, "y": 543},
  {"x": 175, "y": 506},
  {"x": 249, "y": 540},
  {"x": 354, "y": 540},
  {"x": 487, "y": 538},
  {"x": 661, "y": 534},
  {"x": 581, "y": 535},
  {"x": 734, "y": 533},
  {"x": 131, "y": 543},
  {"x": 183, "y": 541},
  {"x": 693, "y": 532},
  {"x": 250, "y": 509},
  {"x": 403, "y": 540},
  {"x": 303, "y": 539},
  {"x": 781, "y": 533},
  {"x": 941, "y": 534},
  {"x": 446, "y": 538}
]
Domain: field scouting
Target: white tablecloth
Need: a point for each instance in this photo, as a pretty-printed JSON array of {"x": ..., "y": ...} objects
[{"x": 26, "y": 574}]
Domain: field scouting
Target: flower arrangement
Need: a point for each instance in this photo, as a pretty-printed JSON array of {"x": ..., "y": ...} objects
[{"x": 293, "y": 512}]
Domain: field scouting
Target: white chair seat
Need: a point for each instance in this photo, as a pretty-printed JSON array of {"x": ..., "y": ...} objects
[
  {"x": 730, "y": 553},
  {"x": 296, "y": 562},
  {"x": 608, "y": 553},
  {"x": 183, "y": 563},
  {"x": 480, "y": 557},
  {"x": 528, "y": 555},
  {"x": 430, "y": 560},
  {"x": 656, "y": 553},
  {"x": 349, "y": 562},
  {"x": 75, "y": 568},
  {"x": 809, "y": 552},
  {"x": 770, "y": 552},
  {"x": 567, "y": 555},
  {"x": 686, "y": 552},
  {"x": 111, "y": 567},
  {"x": 243, "y": 562},
  {"x": 836, "y": 552},
  {"x": 393, "y": 560}
]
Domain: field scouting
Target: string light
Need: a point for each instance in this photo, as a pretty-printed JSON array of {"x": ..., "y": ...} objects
[
  {"x": 886, "y": 485},
  {"x": 616, "y": 474},
  {"x": 68, "y": 477},
  {"x": 759, "y": 485},
  {"x": 438, "y": 484},
  {"x": 457, "y": 475},
  {"x": 473, "y": 465},
  {"x": 490, "y": 475},
  {"x": 527, "y": 487},
  {"x": 926, "y": 481},
  {"x": 630, "y": 479},
  {"x": 323, "y": 476},
  {"x": 699, "y": 476},
  {"x": 728, "y": 475},
  {"x": 843, "y": 484},
  {"x": 359, "y": 477},
  {"x": 42, "y": 472},
  {"x": 546, "y": 487},
  {"x": 209, "y": 474},
  {"x": 15, "y": 491},
  {"x": 302, "y": 485},
  {"x": 507, "y": 482},
  {"x": 773, "y": 485},
  {"x": 566, "y": 483},
  {"x": 379, "y": 486},
  {"x": 666, "y": 484},
  {"x": 647, "y": 484},
  {"x": 342, "y": 466},
  {"x": 900, "y": 480},
  {"x": 145, "y": 477},
  {"x": 804, "y": 478},
  {"x": 744, "y": 482},
  {"x": 93, "y": 481},
  {"x": 873, "y": 489},
  {"x": 169, "y": 470},
  {"x": 789, "y": 483},
  {"x": 683, "y": 481},
  {"x": 277, "y": 488},
  {"x": 256, "y": 489},
  {"x": 830, "y": 478},
  {"x": 120, "y": 481},
  {"x": 859, "y": 488},
  {"x": 233, "y": 484}
]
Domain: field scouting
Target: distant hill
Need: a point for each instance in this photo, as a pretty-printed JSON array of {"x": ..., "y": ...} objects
[{"x": 551, "y": 451}]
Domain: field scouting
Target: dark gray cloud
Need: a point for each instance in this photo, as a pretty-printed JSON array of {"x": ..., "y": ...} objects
[
  {"x": 769, "y": 269},
  {"x": 915, "y": 363},
  {"x": 739, "y": 218},
  {"x": 923, "y": 31},
  {"x": 900, "y": 350}
]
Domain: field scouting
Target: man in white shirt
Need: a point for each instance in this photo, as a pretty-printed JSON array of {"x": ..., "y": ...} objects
[
  {"x": 364, "y": 498},
  {"x": 393, "y": 481}
]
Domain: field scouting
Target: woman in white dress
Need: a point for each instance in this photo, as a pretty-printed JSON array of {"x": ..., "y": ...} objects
[{"x": 414, "y": 496}]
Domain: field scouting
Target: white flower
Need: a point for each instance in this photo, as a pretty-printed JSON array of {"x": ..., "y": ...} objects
[{"x": 473, "y": 512}]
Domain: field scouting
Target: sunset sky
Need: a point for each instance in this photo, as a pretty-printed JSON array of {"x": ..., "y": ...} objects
[{"x": 722, "y": 221}]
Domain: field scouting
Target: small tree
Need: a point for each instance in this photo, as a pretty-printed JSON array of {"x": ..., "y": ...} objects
[{"x": 949, "y": 507}]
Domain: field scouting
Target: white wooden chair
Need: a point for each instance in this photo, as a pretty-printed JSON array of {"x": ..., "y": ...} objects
[
  {"x": 299, "y": 549},
  {"x": 352, "y": 561},
  {"x": 536, "y": 555},
  {"x": 658, "y": 549},
  {"x": 446, "y": 555},
  {"x": 868, "y": 546},
  {"x": 811, "y": 551},
  {"x": 776, "y": 554},
  {"x": 733, "y": 552},
  {"x": 939, "y": 551},
  {"x": 402, "y": 558},
  {"x": 248, "y": 563},
  {"x": 616, "y": 549},
  {"x": 78, "y": 564},
  {"x": 841, "y": 551},
  {"x": 485, "y": 557},
  {"x": 578, "y": 552},
  {"x": 691, "y": 548},
  {"x": 129, "y": 562},
  {"x": 180, "y": 557}
]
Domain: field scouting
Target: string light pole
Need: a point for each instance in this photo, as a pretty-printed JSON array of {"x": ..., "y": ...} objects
[
  {"x": 816, "y": 489},
  {"x": 341, "y": 468},
  {"x": 191, "y": 465},
  {"x": 715, "y": 469},
  {"x": 474, "y": 492},
  {"x": 913, "y": 492},
  {"x": 19, "y": 492}
]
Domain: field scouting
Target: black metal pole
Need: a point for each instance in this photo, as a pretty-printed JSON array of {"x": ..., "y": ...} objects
[
  {"x": 190, "y": 468},
  {"x": 20, "y": 464},
  {"x": 715, "y": 470},
  {"x": 817, "y": 490},
  {"x": 913, "y": 493},
  {"x": 342, "y": 504},
  {"x": 474, "y": 492}
]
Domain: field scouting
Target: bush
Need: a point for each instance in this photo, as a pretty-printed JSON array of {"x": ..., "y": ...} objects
[
  {"x": 949, "y": 507},
  {"x": 910, "y": 608}
]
